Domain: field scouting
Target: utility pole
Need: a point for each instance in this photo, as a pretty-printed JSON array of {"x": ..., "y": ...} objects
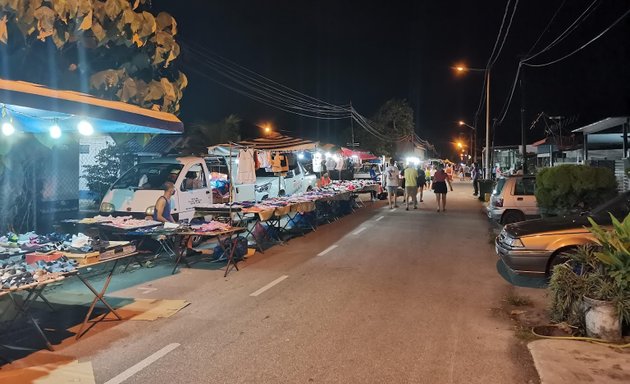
[
  {"x": 351, "y": 126},
  {"x": 523, "y": 131},
  {"x": 488, "y": 174}
]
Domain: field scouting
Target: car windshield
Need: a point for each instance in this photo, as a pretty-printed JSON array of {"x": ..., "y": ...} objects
[
  {"x": 499, "y": 187},
  {"x": 619, "y": 207},
  {"x": 148, "y": 176}
]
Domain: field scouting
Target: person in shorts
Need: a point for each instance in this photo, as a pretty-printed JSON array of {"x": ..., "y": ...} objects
[
  {"x": 411, "y": 186},
  {"x": 422, "y": 182},
  {"x": 392, "y": 176}
]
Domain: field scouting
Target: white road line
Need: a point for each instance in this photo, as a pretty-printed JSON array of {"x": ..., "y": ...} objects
[
  {"x": 143, "y": 364},
  {"x": 379, "y": 218},
  {"x": 268, "y": 286},
  {"x": 325, "y": 251},
  {"x": 359, "y": 230}
]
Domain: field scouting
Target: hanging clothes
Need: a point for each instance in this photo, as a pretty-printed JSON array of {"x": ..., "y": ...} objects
[
  {"x": 256, "y": 160},
  {"x": 330, "y": 164},
  {"x": 340, "y": 166},
  {"x": 246, "y": 171},
  {"x": 279, "y": 164},
  {"x": 317, "y": 162},
  {"x": 264, "y": 159}
]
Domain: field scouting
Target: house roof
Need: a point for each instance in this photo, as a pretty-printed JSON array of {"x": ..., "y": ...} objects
[{"x": 602, "y": 125}]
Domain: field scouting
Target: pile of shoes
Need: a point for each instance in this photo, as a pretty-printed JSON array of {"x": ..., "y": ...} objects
[
  {"x": 58, "y": 266},
  {"x": 14, "y": 274}
]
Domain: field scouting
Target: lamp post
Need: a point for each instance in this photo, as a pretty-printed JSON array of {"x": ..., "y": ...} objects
[
  {"x": 462, "y": 69},
  {"x": 473, "y": 139}
]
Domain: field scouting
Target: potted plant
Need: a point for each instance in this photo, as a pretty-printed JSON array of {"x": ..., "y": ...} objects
[{"x": 592, "y": 289}]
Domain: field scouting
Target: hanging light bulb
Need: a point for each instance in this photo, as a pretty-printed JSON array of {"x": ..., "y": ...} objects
[
  {"x": 55, "y": 131},
  {"x": 85, "y": 128},
  {"x": 7, "y": 128}
]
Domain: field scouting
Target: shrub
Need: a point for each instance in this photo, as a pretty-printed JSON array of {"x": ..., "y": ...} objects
[{"x": 572, "y": 188}]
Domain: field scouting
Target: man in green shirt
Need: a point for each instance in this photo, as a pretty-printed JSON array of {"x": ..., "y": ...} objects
[{"x": 411, "y": 186}]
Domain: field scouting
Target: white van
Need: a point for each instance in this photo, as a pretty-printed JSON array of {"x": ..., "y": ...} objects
[
  {"x": 296, "y": 180},
  {"x": 137, "y": 190}
]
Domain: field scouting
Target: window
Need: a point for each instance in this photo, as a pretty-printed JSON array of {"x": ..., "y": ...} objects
[
  {"x": 84, "y": 149},
  {"x": 525, "y": 187},
  {"x": 148, "y": 176},
  {"x": 195, "y": 178}
]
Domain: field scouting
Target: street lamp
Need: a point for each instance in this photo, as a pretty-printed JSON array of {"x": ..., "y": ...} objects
[
  {"x": 473, "y": 142},
  {"x": 462, "y": 69}
]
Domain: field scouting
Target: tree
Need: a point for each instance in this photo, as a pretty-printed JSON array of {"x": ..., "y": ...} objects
[
  {"x": 393, "y": 119},
  {"x": 111, "y": 162},
  {"x": 201, "y": 134},
  {"x": 115, "y": 49}
]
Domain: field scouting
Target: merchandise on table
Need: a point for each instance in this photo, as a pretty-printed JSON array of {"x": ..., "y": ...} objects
[
  {"x": 127, "y": 223},
  {"x": 212, "y": 226}
]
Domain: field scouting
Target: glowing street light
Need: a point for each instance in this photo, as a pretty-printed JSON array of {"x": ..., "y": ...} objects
[{"x": 462, "y": 69}]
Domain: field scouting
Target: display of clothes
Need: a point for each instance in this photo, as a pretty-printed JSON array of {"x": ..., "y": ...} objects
[
  {"x": 330, "y": 164},
  {"x": 246, "y": 172},
  {"x": 264, "y": 159},
  {"x": 317, "y": 162},
  {"x": 279, "y": 164}
]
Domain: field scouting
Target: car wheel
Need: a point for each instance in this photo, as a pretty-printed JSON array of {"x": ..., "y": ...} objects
[
  {"x": 282, "y": 192},
  {"x": 512, "y": 217},
  {"x": 558, "y": 258},
  {"x": 309, "y": 189}
]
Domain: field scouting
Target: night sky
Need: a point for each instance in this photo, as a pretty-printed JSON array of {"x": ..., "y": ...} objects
[{"x": 369, "y": 52}]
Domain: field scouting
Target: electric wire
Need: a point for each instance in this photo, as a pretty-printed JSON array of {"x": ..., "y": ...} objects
[
  {"x": 505, "y": 35},
  {"x": 582, "y": 46}
]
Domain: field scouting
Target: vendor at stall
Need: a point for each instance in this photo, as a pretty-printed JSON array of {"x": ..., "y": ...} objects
[
  {"x": 162, "y": 210},
  {"x": 324, "y": 180}
]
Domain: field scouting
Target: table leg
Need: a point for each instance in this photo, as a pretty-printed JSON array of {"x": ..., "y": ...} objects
[
  {"x": 231, "y": 260},
  {"x": 180, "y": 250},
  {"x": 23, "y": 309},
  {"x": 98, "y": 296},
  {"x": 44, "y": 299}
]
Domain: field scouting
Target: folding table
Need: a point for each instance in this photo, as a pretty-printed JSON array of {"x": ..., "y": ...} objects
[{"x": 33, "y": 291}]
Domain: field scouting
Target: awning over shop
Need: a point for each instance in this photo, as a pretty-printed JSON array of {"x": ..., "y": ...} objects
[
  {"x": 34, "y": 108},
  {"x": 277, "y": 142},
  {"x": 362, "y": 155}
]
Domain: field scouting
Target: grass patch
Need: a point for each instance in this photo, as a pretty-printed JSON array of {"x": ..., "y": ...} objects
[
  {"x": 519, "y": 301},
  {"x": 524, "y": 334}
]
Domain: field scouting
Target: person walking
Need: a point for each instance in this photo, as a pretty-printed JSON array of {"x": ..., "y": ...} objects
[
  {"x": 411, "y": 186},
  {"x": 392, "y": 176},
  {"x": 422, "y": 182},
  {"x": 440, "y": 180},
  {"x": 475, "y": 175}
]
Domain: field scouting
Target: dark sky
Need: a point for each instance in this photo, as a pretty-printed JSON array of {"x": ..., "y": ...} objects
[{"x": 372, "y": 51}]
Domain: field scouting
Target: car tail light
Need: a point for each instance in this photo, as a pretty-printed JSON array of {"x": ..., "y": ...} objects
[{"x": 498, "y": 202}]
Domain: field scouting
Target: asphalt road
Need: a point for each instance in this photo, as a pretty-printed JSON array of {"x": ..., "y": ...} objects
[{"x": 379, "y": 296}]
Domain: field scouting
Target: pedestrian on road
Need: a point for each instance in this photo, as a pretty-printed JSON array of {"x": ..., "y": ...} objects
[
  {"x": 411, "y": 186},
  {"x": 392, "y": 175},
  {"x": 475, "y": 175},
  {"x": 440, "y": 179},
  {"x": 422, "y": 182}
]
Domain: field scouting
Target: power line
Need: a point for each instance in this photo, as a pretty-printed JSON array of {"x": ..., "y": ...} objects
[
  {"x": 507, "y": 31},
  {"x": 583, "y": 46}
]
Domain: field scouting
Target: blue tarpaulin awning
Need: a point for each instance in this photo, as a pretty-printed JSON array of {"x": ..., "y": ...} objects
[{"x": 33, "y": 108}]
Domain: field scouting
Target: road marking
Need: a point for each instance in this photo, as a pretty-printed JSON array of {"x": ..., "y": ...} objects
[
  {"x": 359, "y": 231},
  {"x": 146, "y": 290},
  {"x": 143, "y": 364},
  {"x": 325, "y": 251},
  {"x": 270, "y": 285},
  {"x": 379, "y": 218}
]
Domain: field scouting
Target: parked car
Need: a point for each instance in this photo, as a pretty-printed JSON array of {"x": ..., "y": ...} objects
[
  {"x": 513, "y": 200},
  {"x": 534, "y": 247}
]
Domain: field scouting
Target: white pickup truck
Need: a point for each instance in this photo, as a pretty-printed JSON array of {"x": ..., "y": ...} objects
[{"x": 137, "y": 190}]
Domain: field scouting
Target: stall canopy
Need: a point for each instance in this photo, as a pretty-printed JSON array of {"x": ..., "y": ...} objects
[
  {"x": 277, "y": 142},
  {"x": 34, "y": 108},
  {"x": 362, "y": 155}
]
